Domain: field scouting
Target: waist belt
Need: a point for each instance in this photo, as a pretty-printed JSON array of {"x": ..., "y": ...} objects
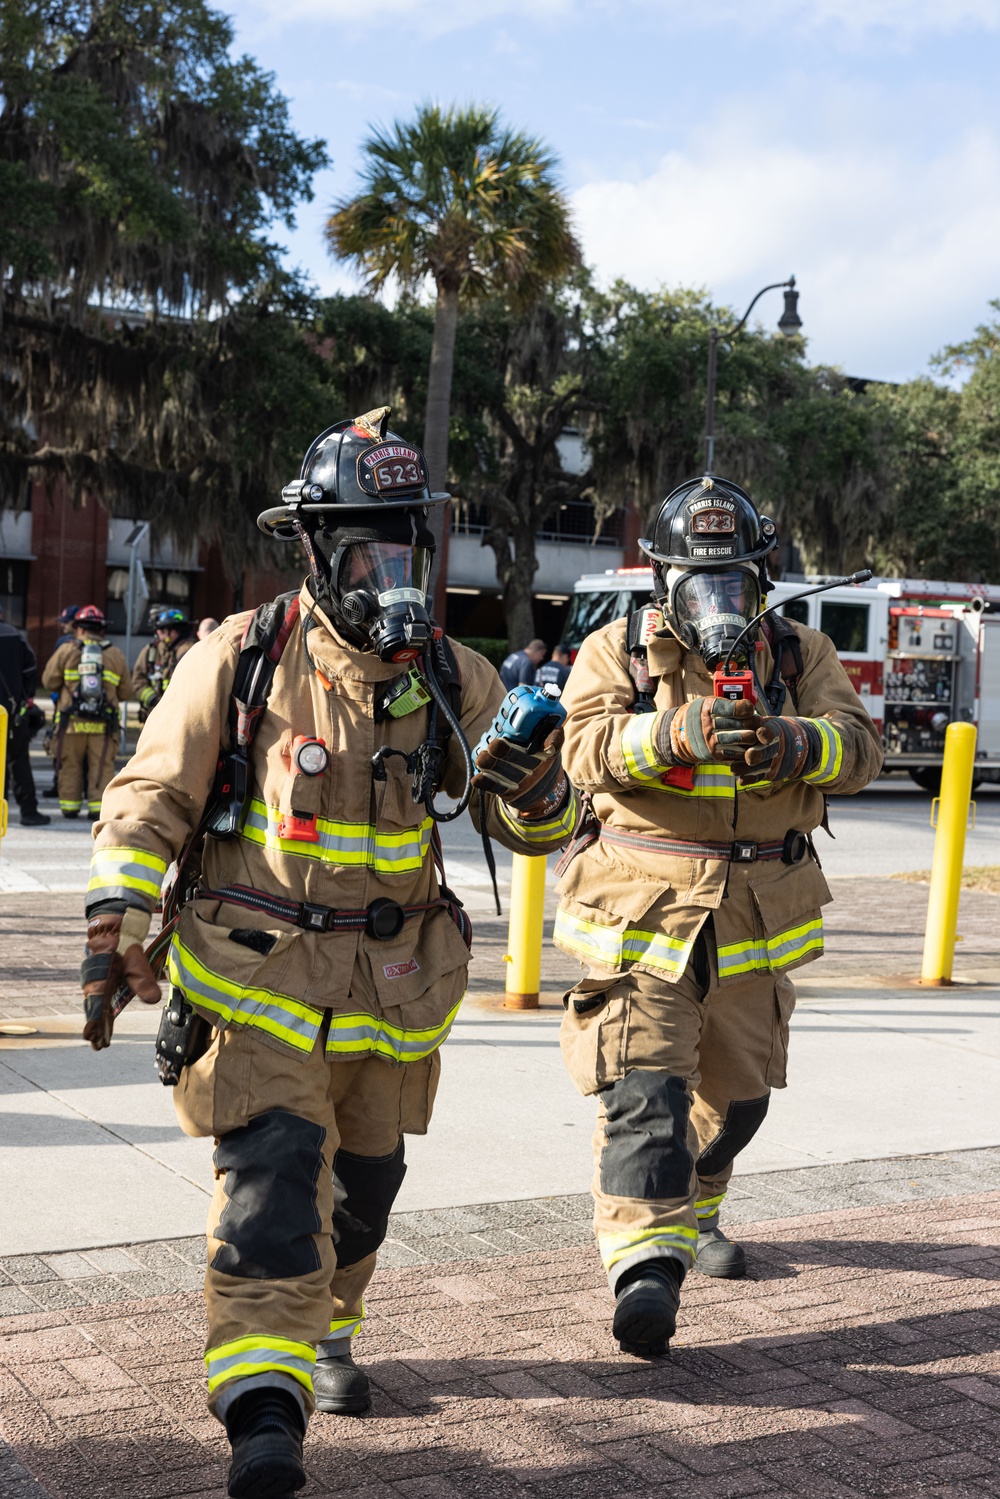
[
  {"x": 383, "y": 919},
  {"x": 789, "y": 849}
]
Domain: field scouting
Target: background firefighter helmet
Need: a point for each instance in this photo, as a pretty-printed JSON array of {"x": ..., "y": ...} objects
[
  {"x": 707, "y": 549},
  {"x": 354, "y": 465},
  {"x": 171, "y": 619},
  {"x": 91, "y": 619}
]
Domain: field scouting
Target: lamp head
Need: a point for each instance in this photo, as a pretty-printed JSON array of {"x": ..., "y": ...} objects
[{"x": 789, "y": 322}]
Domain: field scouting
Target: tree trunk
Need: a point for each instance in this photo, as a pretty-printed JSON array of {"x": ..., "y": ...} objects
[
  {"x": 436, "y": 425},
  {"x": 516, "y": 576}
]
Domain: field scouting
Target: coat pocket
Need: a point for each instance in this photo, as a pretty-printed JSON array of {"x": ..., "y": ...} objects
[{"x": 787, "y": 914}]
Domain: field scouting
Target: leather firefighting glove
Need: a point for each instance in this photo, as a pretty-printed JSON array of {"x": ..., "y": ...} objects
[
  {"x": 114, "y": 954},
  {"x": 786, "y": 748},
  {"x": 718, "y": 729},
  {"x": 527, "y": 780}
]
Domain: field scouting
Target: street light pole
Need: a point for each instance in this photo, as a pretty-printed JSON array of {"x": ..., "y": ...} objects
[{"x": 789, "y": 324}]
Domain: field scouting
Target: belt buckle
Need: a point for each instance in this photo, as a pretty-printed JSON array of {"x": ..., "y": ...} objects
[
  {"x": 744, "y": 853},
  {"x": 315, "y": 918}
]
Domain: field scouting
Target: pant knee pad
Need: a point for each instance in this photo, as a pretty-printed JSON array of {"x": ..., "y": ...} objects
[
  {"x": 743, "y": 1119},
  {"x": 272, "y": 1167},
  {"x": 646, "y": 1153},
  {"x": 364, "y": 1190}
]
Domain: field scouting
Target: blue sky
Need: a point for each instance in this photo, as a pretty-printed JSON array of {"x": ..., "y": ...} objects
[{"x": 712, "y": 143}]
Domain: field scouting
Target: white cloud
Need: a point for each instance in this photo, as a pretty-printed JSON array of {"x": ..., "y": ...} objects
[{"x": 894, "y": 256}]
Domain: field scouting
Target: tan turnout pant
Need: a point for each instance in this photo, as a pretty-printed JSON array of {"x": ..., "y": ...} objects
[
  {"x": 682, "y": 1074},
  {"x": 308, "y": 1161},
  {"x": 94, "y": 749}
]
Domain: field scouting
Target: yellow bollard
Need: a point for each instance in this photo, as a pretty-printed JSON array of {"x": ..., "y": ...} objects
[
  {"x": 3, "y": 771},
  {"x": 949, "y": 852},
  {"x": 524, "y": 933}
]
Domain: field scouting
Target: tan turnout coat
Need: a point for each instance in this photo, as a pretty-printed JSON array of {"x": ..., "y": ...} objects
[
  {"x": 396, "y": 998},
  {"x": 622, "y": 907},
  {"x": 164, "y": 655}
]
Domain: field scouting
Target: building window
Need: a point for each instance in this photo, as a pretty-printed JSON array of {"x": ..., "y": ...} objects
[
  {"x": 13, "y": 591},
  {"x": 168, "y": 589}
]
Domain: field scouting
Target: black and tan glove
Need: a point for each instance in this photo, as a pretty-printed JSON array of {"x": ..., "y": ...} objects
[
  {"x": 525, "y": 779},
  {"x": 114, "y": 955},
  {"x": 708, "y": 729},
  {"x": 787, "y": 749}
]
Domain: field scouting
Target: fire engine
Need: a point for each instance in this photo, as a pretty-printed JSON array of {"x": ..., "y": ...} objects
[{"x": 921, "y": 654}]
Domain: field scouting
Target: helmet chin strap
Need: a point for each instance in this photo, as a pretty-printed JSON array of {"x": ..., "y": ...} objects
[{"x": 323, "y": 591}]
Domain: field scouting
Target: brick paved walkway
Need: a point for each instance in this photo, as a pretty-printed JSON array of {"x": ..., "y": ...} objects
[{"x": 862, "y": 1358}]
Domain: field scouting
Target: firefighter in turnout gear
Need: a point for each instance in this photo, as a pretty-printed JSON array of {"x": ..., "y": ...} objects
[
  {"x": 694, "y": 889},
  {"x": 91, "y": 678},
  {"x": 156, "y": 663},
  {"x": 319, "y": 951}
]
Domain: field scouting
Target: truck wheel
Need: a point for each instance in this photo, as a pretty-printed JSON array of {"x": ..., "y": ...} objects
[{"x": 928, "y": 778}]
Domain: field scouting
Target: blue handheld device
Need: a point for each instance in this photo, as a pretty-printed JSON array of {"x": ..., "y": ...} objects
[{"x": 528, "y": 715}]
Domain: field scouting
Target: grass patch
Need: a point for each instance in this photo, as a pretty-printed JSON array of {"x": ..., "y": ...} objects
[{"x": 985, "y": 877}]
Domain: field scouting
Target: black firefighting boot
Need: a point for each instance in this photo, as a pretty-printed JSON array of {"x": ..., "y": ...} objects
[
  {"x": 266, "y": 1427},
  {"x": 340, "y": 1387},
  {"x": 646, "y": 1302},
  {"x": 719, "y": 1256}
]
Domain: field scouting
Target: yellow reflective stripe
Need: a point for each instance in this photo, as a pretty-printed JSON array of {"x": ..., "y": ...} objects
[
  {"x": 344, "y": 843},
  {"x": 708, "y": 1207},
  {"x": 544, "y": 831},
  {"x": 616, "y": 1247},
  {"x": 638, "y": 746},
  {"x": 87, "y": 726},
  {"x": 279, "y": 1014},
  {"x": 346, "y": 1327},
  {"x": 832, "y": 757},
  {"x": 114, "y": 677},
  {"x": 127, "y": 869},
  {"x": 362, "y": 1035},
  {"x": 614, "y": 946},
  {"x": 71, "y": 674},
  {"x": 254, "y": 1355},
  {"x": 770, "y": 953}
]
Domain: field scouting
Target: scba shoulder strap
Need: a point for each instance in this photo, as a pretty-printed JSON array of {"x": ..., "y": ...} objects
[{"x": 264, "y": 639}]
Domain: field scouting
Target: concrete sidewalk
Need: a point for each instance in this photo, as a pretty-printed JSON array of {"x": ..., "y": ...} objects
[{"x": 878, "y": 1068}]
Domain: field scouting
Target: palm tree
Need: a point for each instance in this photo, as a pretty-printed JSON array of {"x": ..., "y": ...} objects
[{"x": 458, "y": 197}]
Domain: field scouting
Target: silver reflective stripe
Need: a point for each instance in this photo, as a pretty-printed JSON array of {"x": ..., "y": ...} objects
[
  {"x": 280, "y": 1015},
  {"x": 343, "y": 842},
  {"x": 269, "y": 1357}
]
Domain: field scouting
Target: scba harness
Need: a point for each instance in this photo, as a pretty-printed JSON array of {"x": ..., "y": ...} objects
[{"x": 183, "y": 1034}]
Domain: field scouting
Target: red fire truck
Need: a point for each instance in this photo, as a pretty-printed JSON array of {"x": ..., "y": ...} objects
[{"x": 921, "y": 654}]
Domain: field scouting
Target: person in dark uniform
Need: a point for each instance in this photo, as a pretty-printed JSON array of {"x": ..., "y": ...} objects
[
  {"x": 554, "y": 672},
  {"x": 18, "y": 677}
]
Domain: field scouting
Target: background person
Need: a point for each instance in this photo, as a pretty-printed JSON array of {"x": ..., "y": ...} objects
[
  {"x": 18, "y": 678},
  {"x": 207, "y": 627},
  {"x": 156, "y": 662},
  {"x": 555, "y": 672},
  {"x": 520, "y": 666},
  {"x": 90, "y": 678}
]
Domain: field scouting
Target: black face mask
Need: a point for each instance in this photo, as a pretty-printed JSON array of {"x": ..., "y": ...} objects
[{"x": 376, "y": 583}]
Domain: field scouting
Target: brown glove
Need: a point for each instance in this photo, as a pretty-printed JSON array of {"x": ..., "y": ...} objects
[
  {"x": 107, "y": 964},
  {"x": 521, "y": 778},
  {"x": 786, "y": 749},
  {"x": 719, "y": 729}
]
